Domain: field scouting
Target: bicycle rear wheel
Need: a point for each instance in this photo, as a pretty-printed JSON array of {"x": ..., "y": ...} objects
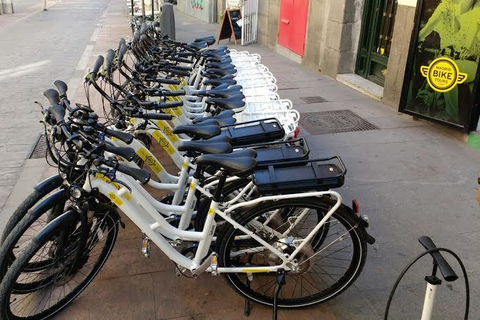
[
  {"x": 38, "y": 294},
  {"x": 327, "y": 265}
]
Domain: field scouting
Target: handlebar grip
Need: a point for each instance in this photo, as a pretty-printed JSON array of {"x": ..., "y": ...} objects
[
  {"x": 153, "y": 116},
  {"x": 179, "y": 72},
  {"x": 52, "y": 96},
  {"x": 109, "y": 61},
  {"x": 445, "y": 268},
  {"x": 58, "y": 112},
  {"x": 121, "y": 53},
  {"x": 127, "y": 153},
  {"x": 97, "y": 65},
  {"x": 173, "y": 93},
  {"x": 62, "y": 88},
  {"x": 122, "y": 42},
  {"x": 169, "y": 81},
  {"x": 124, "y": 136},
  {"x": 136, "y": 37},
  {"x": 167, "y": 105},
  {"x": 139, "y": 174}
]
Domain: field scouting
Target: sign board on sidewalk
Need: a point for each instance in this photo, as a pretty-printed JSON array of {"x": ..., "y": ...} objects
[
  {"x": 231, "y": 24},
  {"x": 441, "y": 79}
]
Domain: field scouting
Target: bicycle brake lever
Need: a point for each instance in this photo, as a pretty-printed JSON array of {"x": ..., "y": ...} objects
[{"x": 122, "y": 183}]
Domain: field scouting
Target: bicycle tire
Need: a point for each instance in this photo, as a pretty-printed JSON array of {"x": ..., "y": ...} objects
[
  {"x": 36, "y": 246},
  {"x": 14, "y": 239},
  {"x": 228, "y": 241},
  {"x": 23, "y": 209}
]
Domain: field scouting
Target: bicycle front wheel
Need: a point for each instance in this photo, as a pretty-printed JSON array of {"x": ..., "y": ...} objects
[
  {"x": 39, "y": 293},
  {"x": 327, "y": 265}
]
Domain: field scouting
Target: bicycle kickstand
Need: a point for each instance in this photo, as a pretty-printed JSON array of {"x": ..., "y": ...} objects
[
  {"x": 247, "y": 309},
  {"x": 278, "y": 286}
]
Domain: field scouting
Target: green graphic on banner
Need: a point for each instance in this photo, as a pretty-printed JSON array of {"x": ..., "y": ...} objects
[{"x": 445, "y": 61}]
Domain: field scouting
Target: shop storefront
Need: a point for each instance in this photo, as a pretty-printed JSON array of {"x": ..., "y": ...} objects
[
  {"x": 441, "y": 75},
  {"x": 422, "y": 55}
]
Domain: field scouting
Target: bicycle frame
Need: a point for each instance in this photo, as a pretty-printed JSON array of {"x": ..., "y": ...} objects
[{"x": 156, "y": 227}]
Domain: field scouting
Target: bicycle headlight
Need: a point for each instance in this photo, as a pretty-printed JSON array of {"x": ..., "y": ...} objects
[{"x": 76, "y": 192}]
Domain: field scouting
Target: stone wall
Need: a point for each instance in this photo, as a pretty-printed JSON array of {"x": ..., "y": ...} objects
[
  {"x": 398, "y": 55},
  {"x": 205, "y": 10},
  {"x": 333, "y": 28}
]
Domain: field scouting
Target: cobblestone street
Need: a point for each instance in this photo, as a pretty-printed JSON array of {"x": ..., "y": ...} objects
[{"x": 37, "y": 47}]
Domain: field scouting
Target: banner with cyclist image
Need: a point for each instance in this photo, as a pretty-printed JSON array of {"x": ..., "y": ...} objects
[{"x": 443, "y": 62}]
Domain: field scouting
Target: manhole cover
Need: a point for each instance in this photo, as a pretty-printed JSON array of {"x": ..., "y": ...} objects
[
  {"x": 334, "y": 121},
  {"x": 316, "y": 99},
  {"x": 40, "y": 148}
]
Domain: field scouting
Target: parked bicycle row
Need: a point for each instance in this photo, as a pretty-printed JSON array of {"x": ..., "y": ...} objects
[{"x": 248, "y": 202}]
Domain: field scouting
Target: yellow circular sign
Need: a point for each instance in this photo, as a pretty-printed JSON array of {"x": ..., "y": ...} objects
[{"x": 443, "y": 74}]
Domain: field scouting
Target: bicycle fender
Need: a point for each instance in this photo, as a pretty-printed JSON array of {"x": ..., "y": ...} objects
[
  {"x": 363, "y": 224},
  {"x": 48, "y": 203},
  {"x": 59, "y": 222},
  {"x": 49, "y": 184}
]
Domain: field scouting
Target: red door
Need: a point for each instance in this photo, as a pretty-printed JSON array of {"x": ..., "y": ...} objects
[{"x": 293, "y": 25}]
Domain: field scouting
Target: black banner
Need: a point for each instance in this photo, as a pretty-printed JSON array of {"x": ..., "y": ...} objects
[{"x": 440, "y": 80}]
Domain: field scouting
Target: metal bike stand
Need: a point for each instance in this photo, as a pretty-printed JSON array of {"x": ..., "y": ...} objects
[
  {"x": 280, "y": 282},
  {"x": 432, "y": 280},
  {"x": 278, "y": 286},
  {"x": 247, "y": 308}
]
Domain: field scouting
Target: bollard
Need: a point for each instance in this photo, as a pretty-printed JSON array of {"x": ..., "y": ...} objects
[
  {"x": 44, "y": 5},
  {"x": 167, "y": 21}
]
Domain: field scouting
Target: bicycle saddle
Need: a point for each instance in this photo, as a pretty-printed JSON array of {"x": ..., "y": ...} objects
[
  {"x": 198, "y": 131},
  {"x": 209, "y": 40},
  {"x": 214, "y": 145},
  {"x": 223, "y": 92},
  {"x": 233, "y": 102},
  {"x": 226, "y": 114},
  {"x": 222, "y": 59},
  {"x": 228, "y": 80},
  {"x": 237, "y": 163},
  {"x": 214, "y": 73},
  {"x": 197, "y": 45},
  {"x": 220, "y": 65}
]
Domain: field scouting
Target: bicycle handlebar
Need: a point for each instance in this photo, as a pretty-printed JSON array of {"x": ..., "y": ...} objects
[
  {"x": 97, "y": 65},
  {"x": 121, "y": 53},
  {"x": 124, "y": 136},
  {"x": 109, "y": 61},
  {"x": 447, "y": 271},
  {"x": 127, "y": 153}
]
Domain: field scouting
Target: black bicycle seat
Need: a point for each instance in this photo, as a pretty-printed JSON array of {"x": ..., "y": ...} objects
[
  {"x": 209, "y": 40},
  {"x": 225, "y": 114},
  {"x": 228, "y": 80},
  {"x": 198, "y": 131},
  {"x": 214, "y": 145},
  {"x": 233, "y": 102},
  {"x": 237, "y": 163}
]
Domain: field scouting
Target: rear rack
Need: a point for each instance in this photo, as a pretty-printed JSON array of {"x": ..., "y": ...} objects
[{"x": 303, "y": 175}]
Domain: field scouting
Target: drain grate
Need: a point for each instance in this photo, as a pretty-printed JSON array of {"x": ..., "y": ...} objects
[
  {"x": 334, "y": 122},
  {"x": 316, "y": 99},
  {"x": 40, "y": 148}
]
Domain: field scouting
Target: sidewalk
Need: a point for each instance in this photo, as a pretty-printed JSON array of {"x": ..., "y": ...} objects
[{"x": 412, "y": 178}]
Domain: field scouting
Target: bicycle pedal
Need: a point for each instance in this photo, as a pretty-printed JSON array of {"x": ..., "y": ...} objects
[{"x": 146, "y": 246}]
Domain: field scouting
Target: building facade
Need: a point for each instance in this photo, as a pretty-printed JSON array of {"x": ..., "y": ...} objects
[{"x": 418, "y": 56}]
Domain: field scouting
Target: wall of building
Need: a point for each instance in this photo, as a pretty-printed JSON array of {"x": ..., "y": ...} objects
[
  {"x": 205, "y": 10},
  {"x": 398, "y": 55},
  {"x": 333, "y": 29}
]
